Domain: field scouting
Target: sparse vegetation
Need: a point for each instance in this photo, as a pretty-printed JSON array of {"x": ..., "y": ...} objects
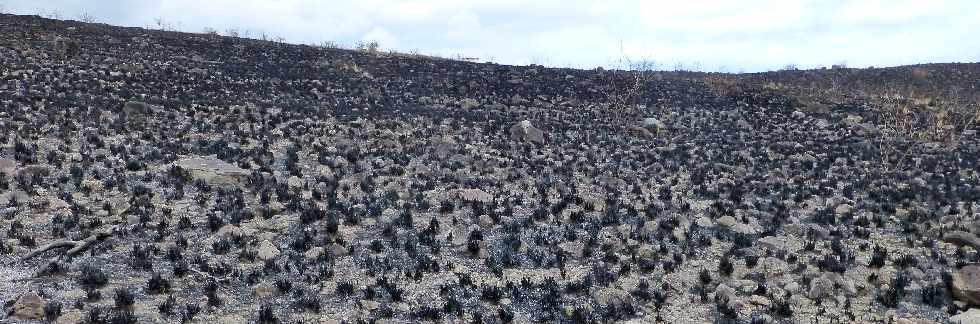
[{"x": 200, "y": 177}]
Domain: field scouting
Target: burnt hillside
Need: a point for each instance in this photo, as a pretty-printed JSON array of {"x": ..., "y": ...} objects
[{"x": 151, "y": 176}]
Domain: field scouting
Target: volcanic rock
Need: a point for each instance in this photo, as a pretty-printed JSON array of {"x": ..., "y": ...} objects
[{"x": 966, "y": 284}]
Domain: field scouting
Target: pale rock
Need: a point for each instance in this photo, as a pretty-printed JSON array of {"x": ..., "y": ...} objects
[
  {"x": 264, "y": 289},
  {"x": 971, "y": 316},
  {"x": 966, "y": 284},
  {"x": 29, "y": 306},
  {"x": 267, "y": 251},
  {"x": 727, "y": 221}
]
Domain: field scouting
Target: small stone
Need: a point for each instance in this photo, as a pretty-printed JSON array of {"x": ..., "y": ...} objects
[
  {"x": 652, "y": 124},
  {"x": 792, "y": 287},
  {"x": 724, "y": 291},
  {"x": 679, "y": 234},
  {"x": 821, "y": 287},
  {"x": 370, "y": 305},
  {"x": 468, "y": 103},
  {"x": 727, "y": 221},
  {"x": 703, "y": 221},
  {"x": 55, "y": 204},
  {"x": 29, "y": 306},
  {"x": 760, "y": 300},
  {"x": 294, "y": 182},
  {"x": 337, "y": 249},
  {"x": 475, "y": 195},
  {"x": 264, "y": 289},
  {"x": 847, "y": 285},
  {"x": 613, "y": 297},
  {"x": 486, "y": 221},
  {"x": 747, "y": 286},
  {"x": 822, "y": 124},
  {"x": 135, "y": 108},
  {"x": 853, "y": 120},
  {"x": 7, "y": 166},
  {"x": 773, "y": 267},
  {"x": 267, "y": 251},
  {"x": 647, "y": 256},
  {"x": 70, "y": 317},
  {"x": 92, "y": 185},
  {"x": 743, "y": 124},
  {"x": 314, "y": 253},
  {"x": 573, "y": 248}
]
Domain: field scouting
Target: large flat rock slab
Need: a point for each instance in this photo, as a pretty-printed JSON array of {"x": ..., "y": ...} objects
[{"x": 214, "y": 171}]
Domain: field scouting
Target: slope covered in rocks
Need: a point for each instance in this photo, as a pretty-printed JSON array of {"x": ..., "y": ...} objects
[{"x": 152, "y": 176}]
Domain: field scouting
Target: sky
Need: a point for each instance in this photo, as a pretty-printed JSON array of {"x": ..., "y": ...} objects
[{"x": 721, "y": 35}]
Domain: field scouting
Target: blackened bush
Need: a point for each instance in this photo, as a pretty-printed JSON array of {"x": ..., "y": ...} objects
[
  {"x": 934, "y": 295},
  {"x": 751, "y": 261},
  {"x": 215, "y": 222},
  {"x": 267, "y": 315},
  {"x": 428, "y": 313},
  {"x": 92, "y": 294},
  {"x": 725, "y": 267},
  {"x": 781, "y": 308},
  {"x": 211, "y": 291},
  {"x": 906, "y": 261},
  {"x": 284, "y": 285},
  {"x": 889, "y": 297},
  {"x": 308, "y": 301},
  {"x": 123, "y": 298},
  {"x": 704, "y": 277},
  {"x": 167, "y": 307},
  {"x": 140, "y": 257},
  {"x": 878, "y": 256},
  {"x": 190, "y": 310},
  {"x": 91, "y": 276},
  {"x": 96, "y": 315},
  {"x": 221, "y": 246},
  {"x": 725, "y": 309},
  {"x": 134, "y": 165},
  {"x": 491, "y": 293},
  {"x": 345, "y": 288},
  {"x": 52, "y": 310},
  {"x": 157, "y": 284},
  {"x": 506, "y": 315},
  {"x": 832, "y": 264},
  {"x": 180, "y": 268}
]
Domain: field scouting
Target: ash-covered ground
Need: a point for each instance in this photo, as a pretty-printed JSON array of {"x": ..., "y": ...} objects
[{"x": 151, "y": 176}]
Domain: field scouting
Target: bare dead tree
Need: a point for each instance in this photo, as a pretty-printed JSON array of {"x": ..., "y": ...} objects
[
  {"x": 624, "y": 89},
  {"x": 86, "y": 17}
]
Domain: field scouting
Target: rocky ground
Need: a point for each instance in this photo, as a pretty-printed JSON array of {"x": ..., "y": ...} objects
[{"x": 152, "y": 176}]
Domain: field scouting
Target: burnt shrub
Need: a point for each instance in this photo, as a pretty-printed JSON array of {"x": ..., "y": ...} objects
[
  {"x": 91, "y": 276},
  {"x": 123, "y": 298},
  {"x": 157, "y": 284},
  {"x": 267, "y": 315}
]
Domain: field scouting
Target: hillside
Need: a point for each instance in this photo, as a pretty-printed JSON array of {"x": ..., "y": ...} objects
[{"x": 151, "y": 176}]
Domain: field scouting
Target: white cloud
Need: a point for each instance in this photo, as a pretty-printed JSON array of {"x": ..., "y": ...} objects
[{"x": 739, "y": 35}]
